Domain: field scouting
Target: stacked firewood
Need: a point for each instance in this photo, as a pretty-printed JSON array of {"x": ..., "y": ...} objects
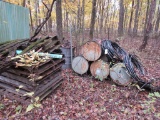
[
  {"x": 90, "y": 60},
  {"x": 108, "y": 58},
  {"x": 30, "y": 74}
]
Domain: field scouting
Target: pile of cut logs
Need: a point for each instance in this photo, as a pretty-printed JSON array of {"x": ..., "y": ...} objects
[
  {"x": 108, "y": 58},
  {"x": 30, "y": 74},
  {"x": 92, "y": 61}
]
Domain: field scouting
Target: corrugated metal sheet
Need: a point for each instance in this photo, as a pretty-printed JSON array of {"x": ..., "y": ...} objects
[{"x": 14, "y": 22}]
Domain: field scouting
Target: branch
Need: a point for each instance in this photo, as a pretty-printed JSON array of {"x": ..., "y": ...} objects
[
  {"x": 45, "y": 5},
  {"x": 38, "y": 29}
]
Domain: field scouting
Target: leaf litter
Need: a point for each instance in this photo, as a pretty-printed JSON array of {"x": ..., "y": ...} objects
[{"x": 83, "y": 97}]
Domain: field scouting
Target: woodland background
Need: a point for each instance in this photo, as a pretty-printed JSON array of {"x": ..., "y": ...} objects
[{"x": 96, "y": 18}]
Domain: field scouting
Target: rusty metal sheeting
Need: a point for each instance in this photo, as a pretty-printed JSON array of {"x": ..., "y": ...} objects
[
  {"x": 91, "y": 51},
  {"x": 99, "y": 69},
  {"x": 80, "y": 65}
]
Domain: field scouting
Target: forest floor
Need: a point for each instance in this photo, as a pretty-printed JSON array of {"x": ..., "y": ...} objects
[{"x": 85, "y": 98}]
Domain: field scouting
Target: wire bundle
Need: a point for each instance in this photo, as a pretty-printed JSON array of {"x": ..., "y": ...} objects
[{"x": 116, "y": 53}]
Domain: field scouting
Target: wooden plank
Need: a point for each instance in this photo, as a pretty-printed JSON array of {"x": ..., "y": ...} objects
[
  {"x": 53, "y": 73},
  {"x": 18, "y": 78},
  {"x": 48, "y": 66},
  {"x": 41, "y": 44},
  {"x": 22, "y": 99},
  {"x": 19, "y": 72},
  {"x": 51, "y": 86},
  {"x": 12, "y": 89},
  {"x": 15, "y": 83},
  {"x": 47, "y": 79},
  {"x": 48, "y": 72},
  {"x": 53, "y": 43},
  {"x": 55, "y": 80},
  {"x": 50, "y": 91},
  {"x": 54, "y": 48}
]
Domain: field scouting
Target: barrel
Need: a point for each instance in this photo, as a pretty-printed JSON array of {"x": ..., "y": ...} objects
[
  {"x": 67, "y": 56},
  {"x": 80, "y": 65},
  {"x": 91, "y": 51},
  {"x": 99, "y": 69},
  {"x": 119, "y": 74}
]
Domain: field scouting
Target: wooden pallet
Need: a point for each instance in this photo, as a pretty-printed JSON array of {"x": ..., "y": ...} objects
[{"x": 42, "y": 90}]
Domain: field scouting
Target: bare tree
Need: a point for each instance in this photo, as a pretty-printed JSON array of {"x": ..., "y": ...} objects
[
  {"x": 147, "y": 11},
  {"x": 24, "y": 3},
  {"x": 101, "y": 16},
  {"x": 59, "y": 19},
  {"x": 121, "y": 18},
  {"x": 158, "y": 18},
  {"x": 30, "y": 15},
  {"x": 136, "y": 19},
  {"x": 36, "y": 12},
  {"x": 149, "y": 25},
  {"x": 83, "y": 16},
  {"x": 130, "y": 21},
  {"x": 93, "y": 17}
]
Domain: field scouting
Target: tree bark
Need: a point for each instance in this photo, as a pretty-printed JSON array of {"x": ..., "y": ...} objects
[
  {"x": 59, "y": 20},
  {"x": 121, "y": 18},
  {"x": 49, "y": 22},
  {"x": 93, "y": 18},
  {"x": 78, "y": 18},
  {"x": 36, "y": 13},
  {"x": 125, "y": 18},
  {"x": 130, "y": 21},
  {"x": 101, "y": 16},
  {"x": 83, "y": 16},
  {"x": 136, "y": 19},
  {"x": 149, "y": 25},
  {"x": 30, "y": 15},
  {"x": 106, "y": 26},
  {"x": 158, "y": 19},
  {"x": 24, "y": 3},
  {"x": 103, "y": 19},
  {"x": 146, "y": 15}
]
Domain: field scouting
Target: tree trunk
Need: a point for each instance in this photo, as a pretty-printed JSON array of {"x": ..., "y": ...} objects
[
  {"x": 107, "y": 17},
  {"x": 83, "y": 16},
  {"x": 24, "y": 3},
  {"x": 125, "y": 18},
  {"x": 50, "y": 24},
  {"x": 36, "y": 13},
  {"x": 102, "y": 19},
  {"x": 49, "y": 21},
  {"x": 130, "y": 21},
  {"x": 78, "y": 18},
  {"x": 113, "y": 17},
  {"x": 149, "y": 25},
  {"x": 38, "y": 10},
  {"x": 121, "y": 19},
  {"x": 30, "y": 15},
  {"x": 158, "y": 19},
  {"x": 146, "y": 15},
  {"x": 59, "y": 20},
  {"x": 136, "y": 19},
  {"x": 93, "y": 18}
]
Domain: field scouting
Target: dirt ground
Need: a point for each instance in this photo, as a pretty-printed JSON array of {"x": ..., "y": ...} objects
[{"x": 85, "y": 98}]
